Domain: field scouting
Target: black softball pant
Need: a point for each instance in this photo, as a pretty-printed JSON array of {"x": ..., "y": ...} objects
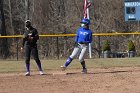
[{"x": 31, "y": 50}]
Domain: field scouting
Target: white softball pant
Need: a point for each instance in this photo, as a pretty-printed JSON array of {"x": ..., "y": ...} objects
[{"x": 79, "y": 50}]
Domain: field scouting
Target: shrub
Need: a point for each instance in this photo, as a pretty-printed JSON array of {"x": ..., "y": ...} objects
[
  {"x": 131, "y": 46},
  {"x": 106, "y": 46}
]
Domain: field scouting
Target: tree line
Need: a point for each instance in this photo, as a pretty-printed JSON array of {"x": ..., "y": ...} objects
[{"x": 63, "y": 16}]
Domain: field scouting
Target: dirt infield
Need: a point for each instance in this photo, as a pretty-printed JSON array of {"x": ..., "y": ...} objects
[{"x": 111, "y": 80}]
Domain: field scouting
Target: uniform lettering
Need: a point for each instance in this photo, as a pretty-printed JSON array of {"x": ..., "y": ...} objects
[{"x": 83, "y": 33}]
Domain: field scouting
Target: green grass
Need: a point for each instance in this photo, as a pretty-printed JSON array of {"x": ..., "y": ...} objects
[{"x": 19, "y": 66}]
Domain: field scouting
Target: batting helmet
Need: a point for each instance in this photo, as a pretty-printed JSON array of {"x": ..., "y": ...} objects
[{"x": 85, "y": 21}]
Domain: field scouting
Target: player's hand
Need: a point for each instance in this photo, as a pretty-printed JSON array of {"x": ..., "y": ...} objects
[
  {"x": 75, "y": 44},
  {"x": 21, "y": 48},
  {"x": 30, "y": 38}
]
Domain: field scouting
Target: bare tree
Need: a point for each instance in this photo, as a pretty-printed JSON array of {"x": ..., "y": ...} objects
[
  {"x": 4, "y": 50},
  {"x": 63, "y": 16}
]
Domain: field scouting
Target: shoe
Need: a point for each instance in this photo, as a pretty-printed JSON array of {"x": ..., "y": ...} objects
[
  {"x": 84, "y": 71},
  {"x": 63, "y": 68},
  {"x": 27, "y": 74},
  {"x": 41, "y": 73}
]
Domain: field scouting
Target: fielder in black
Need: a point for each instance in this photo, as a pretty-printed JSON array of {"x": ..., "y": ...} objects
[{"x": 29, "y": 43}]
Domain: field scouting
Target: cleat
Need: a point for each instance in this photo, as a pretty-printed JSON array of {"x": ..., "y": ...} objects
[
  {"x": 41, "y": 73},
  {"x": 84, "y": 71},
  {"x": 27, "y": 74},
  {"x": 63, "y": 68}
]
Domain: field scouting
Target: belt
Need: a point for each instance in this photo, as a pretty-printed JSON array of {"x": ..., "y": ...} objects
[{"x": 83, "y": 43}]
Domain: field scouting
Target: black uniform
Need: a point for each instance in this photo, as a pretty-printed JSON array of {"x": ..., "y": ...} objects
[{"x": 29, "y": 43}]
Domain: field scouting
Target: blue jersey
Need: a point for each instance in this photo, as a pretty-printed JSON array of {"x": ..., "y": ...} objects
[{"x": 83, "y": 35}]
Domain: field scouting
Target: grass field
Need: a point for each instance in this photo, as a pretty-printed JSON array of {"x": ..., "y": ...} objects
[{"x": 19, "y": 66}]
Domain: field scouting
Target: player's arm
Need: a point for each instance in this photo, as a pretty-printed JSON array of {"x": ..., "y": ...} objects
[
  {"x": 23, "y": 41},
  {"x": 77, "y": 36},
  {"x": 76, "y": 39},
  {"x": 25, "y": 38},
  {"x": 36, "y": 36}
]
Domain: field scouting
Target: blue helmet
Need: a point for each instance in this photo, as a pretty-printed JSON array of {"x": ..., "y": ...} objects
[{"x": 85, "y": 21}]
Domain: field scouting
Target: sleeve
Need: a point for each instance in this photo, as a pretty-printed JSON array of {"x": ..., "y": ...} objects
[
  {"x": 23, "y": 42},
  {"x": 36, "y": 37},
  {"x": 77, "y": 36}
]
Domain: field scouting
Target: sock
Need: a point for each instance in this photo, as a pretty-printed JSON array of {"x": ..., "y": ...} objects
[
  {"x": 83, "y": 64},
  {"x": 27, "y": 67},
  {"x": 39, "y": 66},
  {"x": 69, "y": 60}
]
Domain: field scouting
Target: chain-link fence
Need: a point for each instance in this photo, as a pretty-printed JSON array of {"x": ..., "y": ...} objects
[{"x": 59, "y": 47}]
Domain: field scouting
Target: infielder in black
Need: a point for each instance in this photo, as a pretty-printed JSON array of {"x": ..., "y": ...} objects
[{"x": 29, "y": 43}]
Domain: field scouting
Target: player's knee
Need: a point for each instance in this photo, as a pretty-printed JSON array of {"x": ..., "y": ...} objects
[
  {"x": 81, "y": 60},
  {"x": 27, "y": 59},
  {"x": 37, "y": 60},
  {"x": 72, "y": 56}
]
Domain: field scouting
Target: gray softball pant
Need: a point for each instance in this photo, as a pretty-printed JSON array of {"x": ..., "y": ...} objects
[{"x": 79, "y": 50}]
